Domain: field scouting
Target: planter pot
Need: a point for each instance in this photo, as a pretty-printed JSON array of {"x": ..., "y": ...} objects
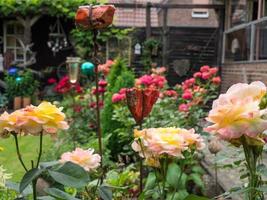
[
  {"x": 17, "y": 103},
  {"x": 26, "y": 101}
]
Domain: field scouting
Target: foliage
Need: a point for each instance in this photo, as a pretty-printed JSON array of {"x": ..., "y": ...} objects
[
  {"x": 24, "y": 84},
  {"x": 3, "y": 100},
  {"x": 28, "y": 83},
  {"x": 83, "y": 40},
  {"x": 150, "y": 50},
  {"x": 14, "y": 88},
  {"x": 119, "y": 77},
  {"x": 66, "y": 8}
]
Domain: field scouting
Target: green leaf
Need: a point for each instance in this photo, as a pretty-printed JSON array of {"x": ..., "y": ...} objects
[
  {"x": 46, "y": 198},
  {"x": 29, "y": 177},
  {"x": 150, "y": 181},
  {"x": 195, "y": 197},
  {"x": 54, "y": 192},
  {"x": 173, "y": 175},
  {"x": 15, "y": 186},
  {"x": 70, "y": 175},
  {"x": 196, "y": 178},
  {"x": 105, "y": 193},
  {"x": 181, "y": 195},
  {"x": 198, "y": 169},
  {"x": 46, "y": 165}
]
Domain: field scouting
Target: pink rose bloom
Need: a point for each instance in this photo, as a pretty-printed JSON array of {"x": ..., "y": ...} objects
[
  {"x": 187, "y": 95},
  {"x": 146, "y": 80},
  {"x": 206, "y": 75},
  {"x": 213, "y": 70},
  {"x": 84, "y": 158},
  {"x": 123, "y": 91},
  {"x": 197, "y": 75},
  {"x": 205, "y": 68},
  {"x": 237, "y": 112},
  {"x": 102, "y": 83},
  {"x": 183, "y": 107},
  {"x": 117, "y": 97},
  {"x": 159, "y": 70},
  {"x": 216, "y": 80}
]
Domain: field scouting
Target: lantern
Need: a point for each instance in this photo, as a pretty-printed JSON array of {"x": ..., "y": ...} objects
[{"x": 73, "y": 66}]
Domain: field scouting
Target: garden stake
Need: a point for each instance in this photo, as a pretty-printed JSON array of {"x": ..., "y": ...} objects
[
  {"x": 99, "y": 132},
  {"x": 141, "y": 165}
]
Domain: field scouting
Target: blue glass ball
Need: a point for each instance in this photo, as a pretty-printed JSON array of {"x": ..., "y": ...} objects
[
  {"x": 87, "y": 68},
  {"x": 18, "y": 79},
  {"x": 13, "y": 71}
]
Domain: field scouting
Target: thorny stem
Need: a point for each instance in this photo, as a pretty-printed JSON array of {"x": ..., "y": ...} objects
[{"x": 18, "y": 152}]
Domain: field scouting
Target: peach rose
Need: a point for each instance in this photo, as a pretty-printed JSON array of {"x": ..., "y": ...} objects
[
  {"x": 237, "y": 112},
  {"x": 85, "y": 158},
  {"x": 155, "y": 142}
]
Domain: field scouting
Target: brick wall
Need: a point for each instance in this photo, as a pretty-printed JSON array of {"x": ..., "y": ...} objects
[{"x": 248, "y": 72}]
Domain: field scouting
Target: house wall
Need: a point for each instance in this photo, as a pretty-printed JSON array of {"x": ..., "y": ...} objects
[
  {"x": 183, "y": 17},
  {"x": 243, "y": 72}
]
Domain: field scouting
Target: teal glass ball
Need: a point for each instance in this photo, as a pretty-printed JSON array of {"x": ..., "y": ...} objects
[
  {"x": 87, "y": 68},
  {"x": 18, "y": 79}
]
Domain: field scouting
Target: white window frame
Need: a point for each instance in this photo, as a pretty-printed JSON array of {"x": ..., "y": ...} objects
[{"x": 17, "y": 38}]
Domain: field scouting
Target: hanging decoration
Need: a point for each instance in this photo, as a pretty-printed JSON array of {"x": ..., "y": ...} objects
[
  {"x": 57, "y": 38},
  {"x": 13, "y": 71}
]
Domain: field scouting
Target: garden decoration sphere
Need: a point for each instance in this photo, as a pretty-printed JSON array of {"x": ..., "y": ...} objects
[
  {"x": 87, "y": 68},
  {"x": 13, "y": 71},
  {"x": 18, "y": 79}
]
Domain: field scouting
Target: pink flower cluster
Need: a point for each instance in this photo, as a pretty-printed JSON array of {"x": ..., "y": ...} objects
[
  {"x": 159, "y": 70},
  {"x": 153, "y": 80},
  {"x": 120, "y": 96},
  {"x": 193, "y": 89},
  {"x": 105, "y": 68},
  {"x": 207, "y": 72}
]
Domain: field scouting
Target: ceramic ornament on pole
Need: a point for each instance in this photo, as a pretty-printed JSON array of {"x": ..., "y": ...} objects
[{"x": 94, "y": 18}]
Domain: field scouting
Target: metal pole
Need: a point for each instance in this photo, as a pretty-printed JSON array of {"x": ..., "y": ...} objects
[{"x": 148, "y": 20}]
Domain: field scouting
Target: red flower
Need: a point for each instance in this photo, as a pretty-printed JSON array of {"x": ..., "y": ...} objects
[
  {"x": 183, "y": 107},
  {"x": 117, "y": 97},
  {"x": 102, "y": 83},
  {"x": 206, "y": 75},
  {"x": 93, "y": 104},
  {"x": 100, "y": 90},
  {"x": 197, "y": 75},
  {"x": 187, "y": 95},
  {"x": 77, "y": 108},
  {"x": 170, "y": 93},
  {"x": 51, "y": 80},
  {"x": 205, "y": 68},
  {"x": 216, "y": 80},
  {"x": 78, "y": 89},
  {"x": 140, "y": 102}
]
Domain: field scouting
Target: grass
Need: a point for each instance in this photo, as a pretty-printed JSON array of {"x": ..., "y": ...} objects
[{"x": 29, "y": 147}]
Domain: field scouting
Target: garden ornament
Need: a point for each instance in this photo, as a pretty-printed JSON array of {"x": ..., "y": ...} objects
[
  {"x": 87, "y": 68},
  {"x": 140, "y": 102},
  {"x": 73, "y": 66},
  {"x": 95, "y": 17}
]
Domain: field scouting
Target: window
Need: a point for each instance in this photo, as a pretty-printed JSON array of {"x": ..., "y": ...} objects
[
  {"x": 200, "y": 12},
  {"x": 13, "y": 34}
]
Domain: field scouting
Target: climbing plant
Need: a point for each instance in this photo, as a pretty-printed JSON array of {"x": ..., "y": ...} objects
[{"x": 66, "y": 8}]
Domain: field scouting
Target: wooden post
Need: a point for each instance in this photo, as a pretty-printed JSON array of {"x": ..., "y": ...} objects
[
  {"x": 148, "y": 20},
  {"x": 220, "y": 36},
  {"x": 228, "y": 14},
  {"x": 165, "y": 33}
]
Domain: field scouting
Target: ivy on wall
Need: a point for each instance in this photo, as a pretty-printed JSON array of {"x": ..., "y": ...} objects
[{"x": 60, "y": 8}]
